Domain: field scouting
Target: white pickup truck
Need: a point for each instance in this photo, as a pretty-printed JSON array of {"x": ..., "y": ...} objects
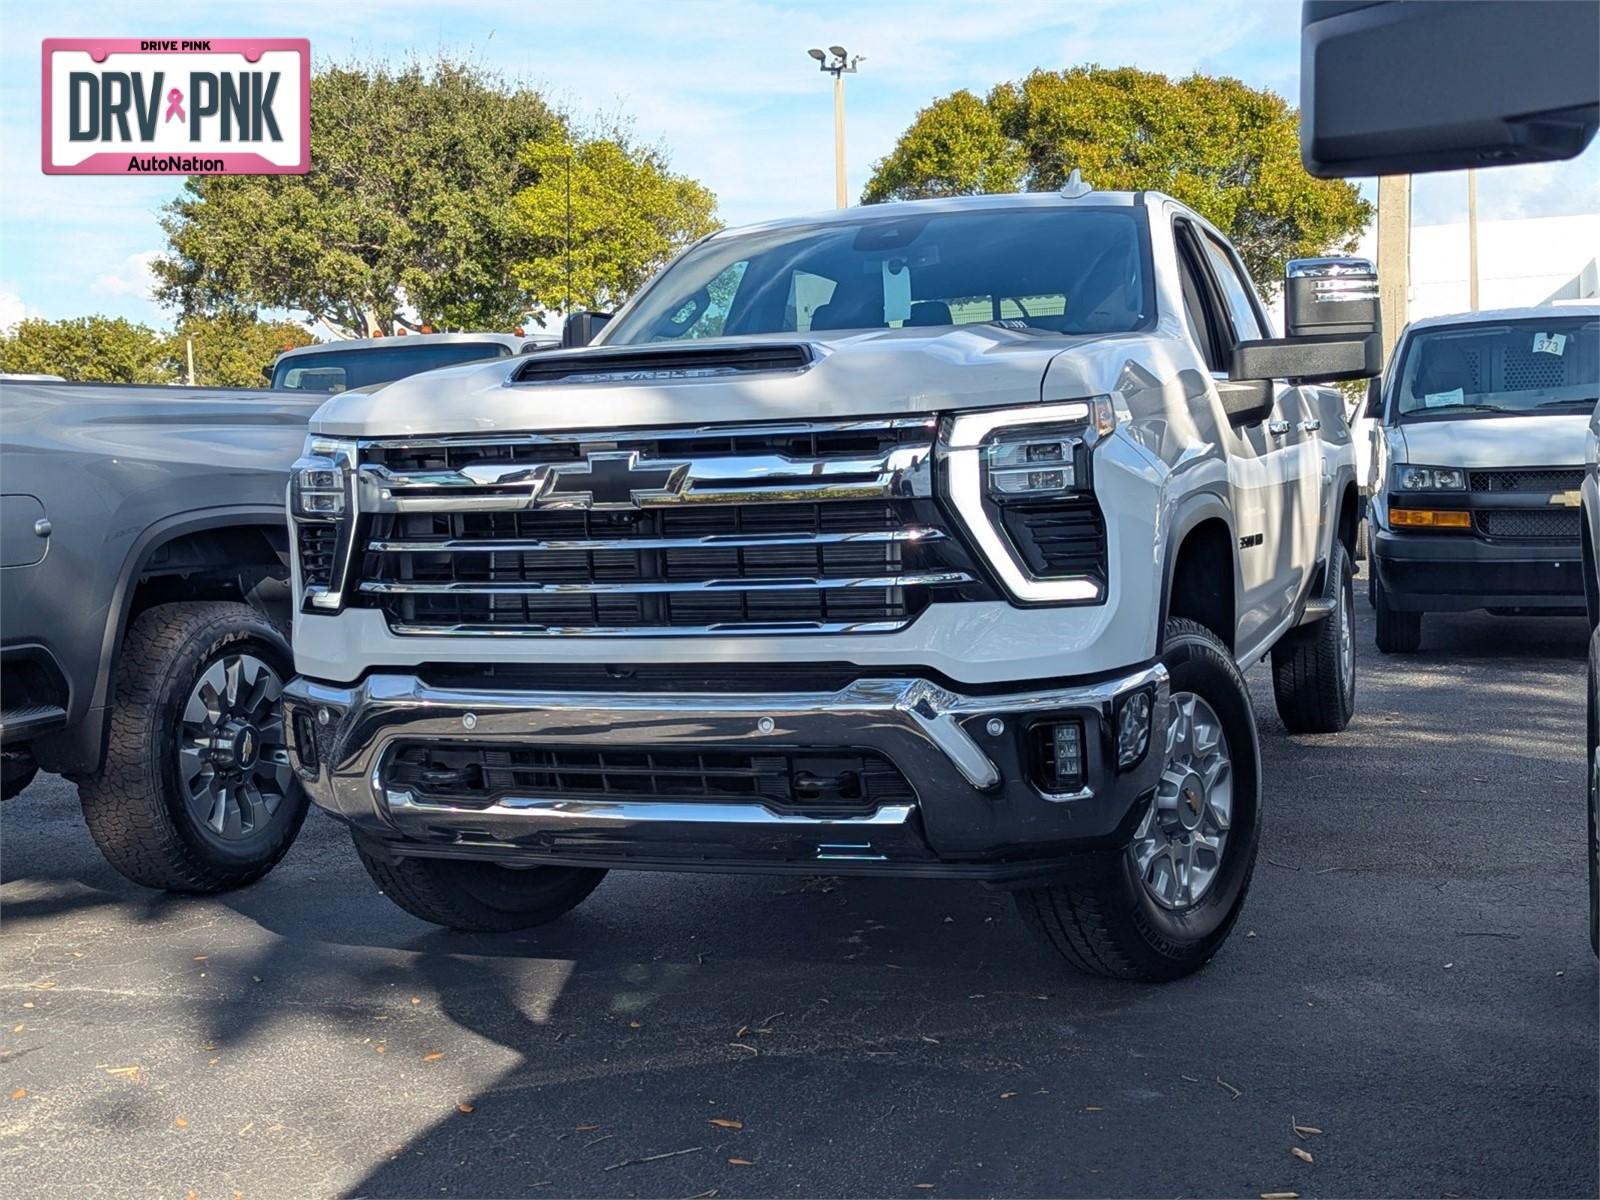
[{"x": 920, "y": 540}]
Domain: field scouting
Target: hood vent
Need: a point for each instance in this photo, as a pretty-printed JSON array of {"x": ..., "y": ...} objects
[{"x": 652, "y": 364}]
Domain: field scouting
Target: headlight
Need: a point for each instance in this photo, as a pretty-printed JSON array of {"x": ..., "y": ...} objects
[
  {"x": 319, "y": 481},
  {"x": 1430, "y": 479},
  {"x": 1011, "y": 473}
]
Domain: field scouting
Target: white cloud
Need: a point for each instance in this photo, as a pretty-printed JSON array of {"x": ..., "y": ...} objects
[
  {"x": 12, "y": 308},
  {"x": 132, "y": 278}
]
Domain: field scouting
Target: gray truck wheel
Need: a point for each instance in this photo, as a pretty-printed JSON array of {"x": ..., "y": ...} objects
[
  {"x": 1161, "y": 907},
  {"x": 1394, "y": 631},
  {"x": 478, "y": 897},
  {"x": 196, "y": 793},
  {"x": 1314, "y": 667}
]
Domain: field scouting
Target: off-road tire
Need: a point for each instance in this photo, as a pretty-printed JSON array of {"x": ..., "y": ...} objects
[
  {"x": 1102, "y": 920},
  {"x": 1313, "y": 667},
  {"x": 478, "y": 897},
  {"x": 1592, "y": 762},
  {"x": 135, "y": 805},
  {"x": 1394, "y": 631}
]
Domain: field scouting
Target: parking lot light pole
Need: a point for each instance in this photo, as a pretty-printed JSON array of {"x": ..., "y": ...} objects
[{"x": 836, "y": 62}]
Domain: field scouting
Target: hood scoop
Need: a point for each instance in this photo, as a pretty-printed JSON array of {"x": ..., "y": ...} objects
[{"x": 656, "y": 364}]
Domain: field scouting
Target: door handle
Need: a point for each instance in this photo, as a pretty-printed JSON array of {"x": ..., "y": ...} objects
[
  {"x": 1277, "y": 428},
  {"x": 1310, "y": 426}
]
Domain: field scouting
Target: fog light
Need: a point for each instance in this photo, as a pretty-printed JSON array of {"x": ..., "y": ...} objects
[
  {"x": 1133, "y": 729},
  {"x": 1065, "y": 768}
]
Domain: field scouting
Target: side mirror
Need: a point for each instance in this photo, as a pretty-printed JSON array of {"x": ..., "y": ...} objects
[
  {"x": 1330, "y": 296},
  {"x": 1374, "y": 408},
  {"x": 580, "y": 328},
  {"x": 266, "y": 372},
  {"x": 1322, "y": 358}
]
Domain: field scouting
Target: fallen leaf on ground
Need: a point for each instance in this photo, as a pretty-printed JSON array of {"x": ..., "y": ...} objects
[
  {"x": 1093, "y": 1108},
  {"x": 1224, "y": 1083},
  {"x": 1280, "y": 1196},
  {"x": 246, "y": 1128},
  {"x": 464, "y": 1107},
  {"x": 19, "y": 1094},
  {"x": 1308, "y": 1131},
  {"x": 634, "y": 1025},
  {"x": 18, "y": 1028},
  {"x": 381, "y": 1049},
  {"x": 433, "y": 1056},
  {"x": 727, "y": 1123},
  {"x": 129, "y": 1073},
  {"x": 744, "y": 1046},
  {"x": 181, "y": 1122},
  {"x": 200, "y": 957},
  {"x": 740, "y": 1162},
  {"x": 44, "y": 985},
  {"x": 1007, "y": 1095},
  {"x": 926, "y": 1187},
  {"x": 931, "y": 1041},
  {"x": 416, "y": 999},
  {"x": 27, "y": 1004},
  {"x": 1302, "y": 1155},
  {"x": 588, "y": 1128}
]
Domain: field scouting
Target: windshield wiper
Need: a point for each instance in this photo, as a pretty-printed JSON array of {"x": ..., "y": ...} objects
[
  {"x": 1445, "y": 410},
  {"x": 1577, "y": 402}
]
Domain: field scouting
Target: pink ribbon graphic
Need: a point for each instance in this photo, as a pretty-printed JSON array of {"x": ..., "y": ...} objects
[{"x": 175, "y": 105}]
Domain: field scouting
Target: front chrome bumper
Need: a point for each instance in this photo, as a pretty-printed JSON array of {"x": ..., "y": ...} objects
[{"x": 976, "y": 813}]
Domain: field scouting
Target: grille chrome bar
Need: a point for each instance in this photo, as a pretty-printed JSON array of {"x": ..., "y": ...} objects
[
  {"x": 742, "y": 628},
  {"x": 389, "y": 587},
  {"x": 714, "y": 541},
  {"x": 590, "y": 437},
  {"x": 723, "y": 479}
]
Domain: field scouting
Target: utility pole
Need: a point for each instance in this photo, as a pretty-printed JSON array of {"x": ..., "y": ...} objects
[
  {"x": 189, "y": 353},
  {"x": 1394, "y": 256},
  {"x": 838, "y": 65},
  {"x": 1472, "y": 238}
]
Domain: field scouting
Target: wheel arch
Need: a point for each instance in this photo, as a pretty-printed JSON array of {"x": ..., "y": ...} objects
[
  {"x": 1200, "y": 537},
  {"x": 186, "y": 531}
]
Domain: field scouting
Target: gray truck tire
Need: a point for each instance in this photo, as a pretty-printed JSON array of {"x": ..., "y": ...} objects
[
  {"x": 1314, "y": 667},
  {"x": 478, "y": 897},
  {"x": 1395, "y": 632},
  {"x": 138, "y": 809},
  {"x": 1104, "y": 920}
]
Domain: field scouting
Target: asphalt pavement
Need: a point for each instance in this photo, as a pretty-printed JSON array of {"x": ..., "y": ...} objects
[{"x": 1410, "y": 984}]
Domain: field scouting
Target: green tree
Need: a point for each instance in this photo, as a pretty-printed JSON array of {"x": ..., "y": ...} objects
[
  {"x": 1229, "y": 151},
  {"x": 93, "y": 349},
  {"x": 629, "y": 214},
  {"x": 408, "y": 202},
  {"x": 230, "y": 349}
]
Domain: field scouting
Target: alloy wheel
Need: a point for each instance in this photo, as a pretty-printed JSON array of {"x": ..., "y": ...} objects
[
  {"x": 1178, "y": 847},
  {"x": 233, "y": 759}
]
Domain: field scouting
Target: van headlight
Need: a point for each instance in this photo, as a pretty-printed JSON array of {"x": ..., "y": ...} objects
[
  {"x": 1430, "y": 479},
  {"x": 1021, "y": 483},
  {"x": 319, "y": 480}
]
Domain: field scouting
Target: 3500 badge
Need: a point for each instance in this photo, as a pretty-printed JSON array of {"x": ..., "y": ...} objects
[{"x": 126, "y": 106}]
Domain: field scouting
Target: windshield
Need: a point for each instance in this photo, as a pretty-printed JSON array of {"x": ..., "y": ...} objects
[
  {"x": 360, "y": 366},
  {"x": 1072, "y": 270},
  {"x": 1544, "y": 364}
]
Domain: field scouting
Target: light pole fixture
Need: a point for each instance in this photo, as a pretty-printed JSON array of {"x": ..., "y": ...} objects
[{"x": 838, "y": 63}]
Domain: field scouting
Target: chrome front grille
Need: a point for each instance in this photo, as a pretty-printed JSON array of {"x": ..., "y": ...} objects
[{"x": 784, "y": 529}]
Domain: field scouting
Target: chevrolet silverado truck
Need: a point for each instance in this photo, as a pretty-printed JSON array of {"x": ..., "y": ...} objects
[
  {"x": 1590, "y": 507},
  {"x": 144, "y": 615},
  {"x": 1478, "y": 460},
  {"x": 920, "y": 540}
]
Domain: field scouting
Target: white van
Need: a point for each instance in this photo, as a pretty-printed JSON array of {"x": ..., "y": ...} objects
[{"x": 1478, "y": 455}]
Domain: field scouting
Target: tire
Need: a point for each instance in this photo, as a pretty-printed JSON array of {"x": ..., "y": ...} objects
[
  {"x": 140, "y": 810},
  {"x": 1361, "y": 540},
  {"x": 1395, "y": 632},
  {"x": 1593, "y": 762},
  {"x": 1314, "y": 667},
  {"x": 478, "y": 897},
  {"x": 1106, "y": 920}
]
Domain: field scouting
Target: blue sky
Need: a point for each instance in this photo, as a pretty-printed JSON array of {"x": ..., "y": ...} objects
[{"x": 725, "y": 86}]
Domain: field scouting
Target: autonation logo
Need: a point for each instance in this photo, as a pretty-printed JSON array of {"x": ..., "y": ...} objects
[{"x": 126, "y": 106}]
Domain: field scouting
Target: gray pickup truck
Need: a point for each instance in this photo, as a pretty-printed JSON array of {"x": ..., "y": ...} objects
[{"x": 144, "y": 617}]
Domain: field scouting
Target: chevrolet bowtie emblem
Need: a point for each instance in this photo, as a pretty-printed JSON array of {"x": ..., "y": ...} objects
[
  {"x": 611, "y": 479},
  {"x": 1570, "y": 499}
]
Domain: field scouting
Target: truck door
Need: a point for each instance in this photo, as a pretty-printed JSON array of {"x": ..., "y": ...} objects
[{"x": 1272, "y": 471}]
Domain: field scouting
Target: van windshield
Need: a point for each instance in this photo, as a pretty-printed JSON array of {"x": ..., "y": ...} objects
[
  {"x": 1070, "y": 270},
  {"x": 1539, "y": 365},
  {"x": 361, "y": 366}
]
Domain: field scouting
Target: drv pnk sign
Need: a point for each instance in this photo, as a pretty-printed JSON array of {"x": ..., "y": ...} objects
[{"x": 207, "y": 106}]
